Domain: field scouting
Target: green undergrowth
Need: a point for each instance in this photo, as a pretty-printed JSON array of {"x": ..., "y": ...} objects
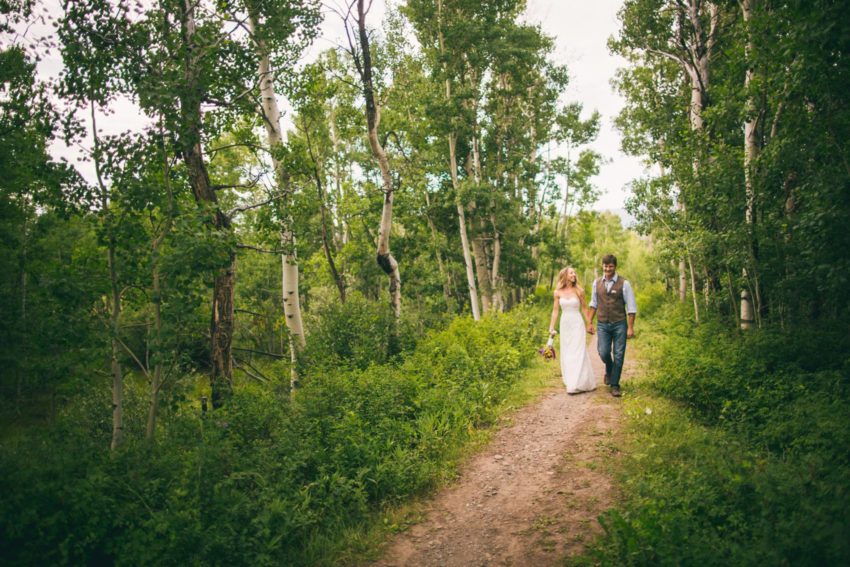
[
  {"x": 737, "y": 449},
  {"x": 365, "y": 542},
  {"x": 266, "y": 480}
]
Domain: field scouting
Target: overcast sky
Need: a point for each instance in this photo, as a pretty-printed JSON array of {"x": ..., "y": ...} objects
[{"x": 581, "y": 29}]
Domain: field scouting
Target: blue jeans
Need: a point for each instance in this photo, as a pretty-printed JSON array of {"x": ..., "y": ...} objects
[{"x": 611, "y": 345}]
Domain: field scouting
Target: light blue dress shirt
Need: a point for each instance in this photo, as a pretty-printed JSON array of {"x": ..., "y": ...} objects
[{"x": 628, "y": 293}]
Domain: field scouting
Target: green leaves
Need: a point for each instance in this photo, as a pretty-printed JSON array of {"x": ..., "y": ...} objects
[
  {"x": 262, "y": 481},
  {"x": 742, "y": 454}
]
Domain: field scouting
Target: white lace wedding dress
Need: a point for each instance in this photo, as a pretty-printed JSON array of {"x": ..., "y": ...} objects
[{"x": 575, "y": 360}]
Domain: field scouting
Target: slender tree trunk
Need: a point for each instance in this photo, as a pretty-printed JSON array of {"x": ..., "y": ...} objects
[
  {"x": 461, "y": 212},
  {"x": 222, "y": 319},
  {"x": 114, "y": 301},
  {"x": 751, "y": 146},
  {"x": 326, "y": 244},
  {"x": 291, "y": 306},
  {"x": 496, "y": 281},
  {"x": 156, "y": 376},
  {"x": 532, "y": 202},
  {"x": 344, "y": 230},
  {"x": 221, "y": 327},
  {"x": 693, "y": 288},
  {"x": 482, "y": 271},
  {"x": 444, "y": 276},
  {"x": 479, "y": 245},
  {"x": 461, "y": 215},
  {"x": 564, "y": 210},
  {"x": 23, "y": 362},
  {"x": 117, "y": 375},
  {"x": 115, "y": 365},
  {"x": 696, "y": 66},
  {"x": 733, "y": 302},
  {"x": 683, "y": 278},
  {"x": 385, "y": 258},
  {"x": 290, "y": 294},
  {"x": 751, "y": 151}
]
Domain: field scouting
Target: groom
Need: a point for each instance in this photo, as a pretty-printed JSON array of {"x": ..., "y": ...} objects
[{"x": 613, "y": 301}]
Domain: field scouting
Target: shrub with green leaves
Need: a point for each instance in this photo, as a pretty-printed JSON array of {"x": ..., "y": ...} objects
[
  {"x": 737, "y": 450},
  {"x": 264, "y": 480}
]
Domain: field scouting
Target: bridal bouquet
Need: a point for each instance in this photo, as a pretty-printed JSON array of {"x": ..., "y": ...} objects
[{"x": 548, "y": 352}]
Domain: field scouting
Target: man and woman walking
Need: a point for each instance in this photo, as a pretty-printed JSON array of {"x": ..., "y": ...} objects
[{"x": 612, "y": 303}]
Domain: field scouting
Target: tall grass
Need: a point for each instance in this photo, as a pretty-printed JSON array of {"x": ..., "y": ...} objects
[{"x": 737, "y": 451}]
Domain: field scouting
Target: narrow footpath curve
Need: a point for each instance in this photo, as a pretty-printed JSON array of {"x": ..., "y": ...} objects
[{"x": 532, "y": 496}]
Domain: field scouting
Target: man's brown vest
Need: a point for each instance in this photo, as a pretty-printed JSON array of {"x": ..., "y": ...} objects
[{"x": 610, "y": 305}]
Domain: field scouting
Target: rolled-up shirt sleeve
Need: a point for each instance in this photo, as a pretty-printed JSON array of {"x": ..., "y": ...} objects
[
  {"x": 629, "y": 296},
  {"x": 593, "y": 299}
]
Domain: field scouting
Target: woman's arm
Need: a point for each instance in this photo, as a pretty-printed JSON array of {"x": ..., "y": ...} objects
[
  {"x": 587, "y": 314},
  {"x": 555, "y": 307}
]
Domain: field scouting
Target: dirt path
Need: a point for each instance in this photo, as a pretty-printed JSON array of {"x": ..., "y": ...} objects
[{"x": 531, "y": 497}]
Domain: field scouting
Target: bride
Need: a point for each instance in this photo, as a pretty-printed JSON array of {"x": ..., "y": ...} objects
[{"x": 575, "y": 360}]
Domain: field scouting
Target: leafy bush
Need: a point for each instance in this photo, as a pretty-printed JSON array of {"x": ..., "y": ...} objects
[
  {"x": 650, "y": 297},
  {"x": 264, "y": 480},
  {"x": 354, "y": 334},
  {"x": 745, "y": 457}
]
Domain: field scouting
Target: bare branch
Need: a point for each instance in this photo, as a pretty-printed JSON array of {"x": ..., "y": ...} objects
[
  {"x": 214, "y": 151},
  {"x": 245, "y": 186},
  {"x": 248, "y": 373},
  {"x": 248, "y": 312},
  {"x": 255, "y": 369},
  {"x": 254, "y": 206},
  {"x": 133, "y": 356},
  {"x": 256, "y": 249},
  {"x": 669, "y": 55},
  {"x": 264, "y": 353}
]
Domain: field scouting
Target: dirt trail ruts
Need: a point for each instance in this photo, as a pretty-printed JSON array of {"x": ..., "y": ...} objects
[{"x": 532, "y": 496}]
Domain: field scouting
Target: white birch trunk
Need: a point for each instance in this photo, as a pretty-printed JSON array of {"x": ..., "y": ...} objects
[
  {"x": 751, "y": 123},
  {"x": 289, "y": 261},
  {"x": 482, "y": 272},
  {"x": 496, "y": 279},
  {"x": 385, "y": 259},
  {"x": 696, "y": 66},
  {"x": 751, "y": 148},
  {"x": 461, "y": 213},
  {"x": 479, "y": 247}
]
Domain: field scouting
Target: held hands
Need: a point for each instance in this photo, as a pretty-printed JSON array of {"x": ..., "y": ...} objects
[{"x": 590, "y": 329}]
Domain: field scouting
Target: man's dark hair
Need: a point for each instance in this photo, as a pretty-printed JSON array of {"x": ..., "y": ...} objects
[{"x": 609, "y": 259}]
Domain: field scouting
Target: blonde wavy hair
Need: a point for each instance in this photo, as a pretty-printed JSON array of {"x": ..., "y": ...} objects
[{"x": 565, "y": 283}]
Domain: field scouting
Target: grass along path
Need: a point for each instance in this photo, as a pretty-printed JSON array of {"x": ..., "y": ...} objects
[{"x": 532, "y": 495}]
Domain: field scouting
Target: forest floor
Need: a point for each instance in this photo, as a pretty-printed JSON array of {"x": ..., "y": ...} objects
[{"x": 533, "y": 494}]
